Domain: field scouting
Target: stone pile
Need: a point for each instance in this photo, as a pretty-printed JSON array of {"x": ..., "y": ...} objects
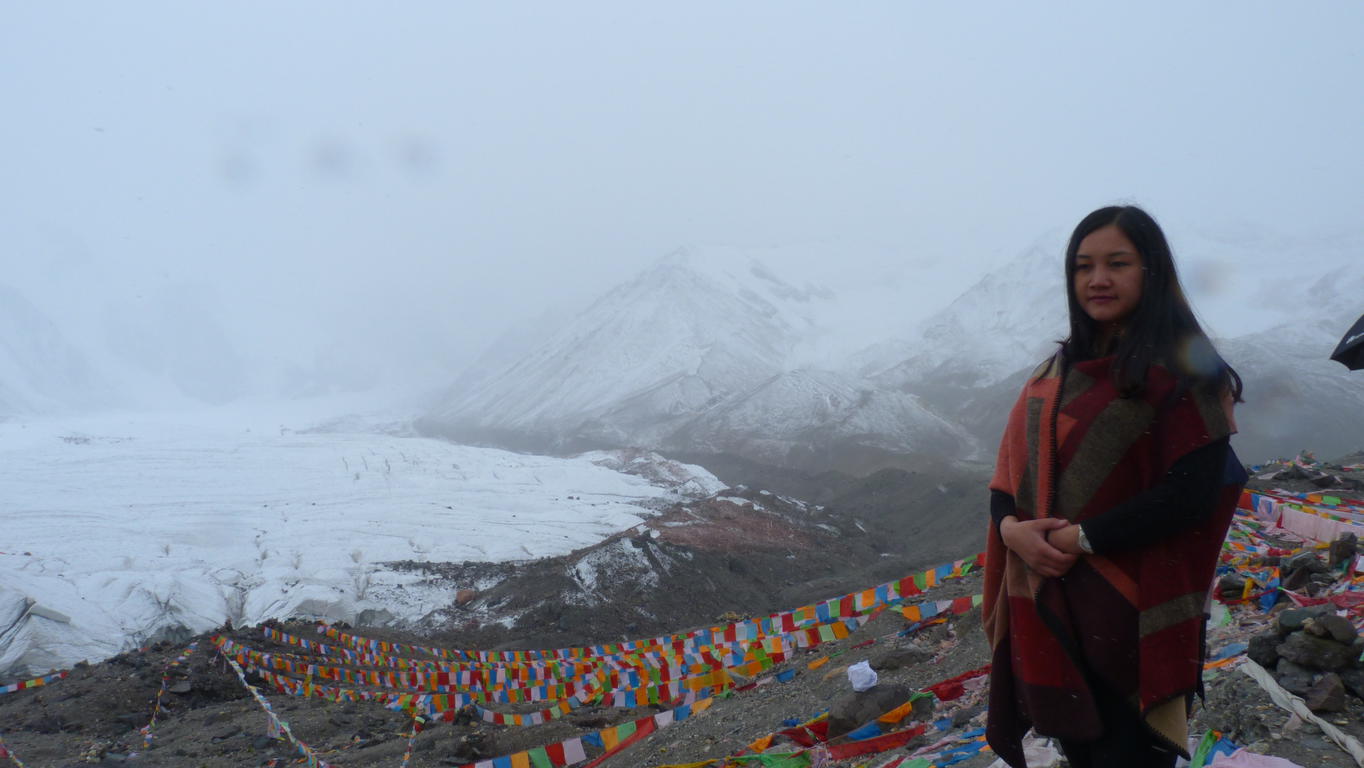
[{"x": 1315, "y": 654}]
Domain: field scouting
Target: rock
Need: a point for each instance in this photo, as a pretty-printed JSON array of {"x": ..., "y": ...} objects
[
  {"x": 180, "y": 686},
  {"x": 1295, "y": 579},
  {"x": 1324, "y": 481},
  {"x": 1293, "y": 472},
  {"x": 1338, "y": 627},
  {"x": 964, "y": 716},
  {"x": 1293, "y": 677},
  {"x": 593, "y": 722},
  {"x": 474, "y": 746},
  {"x": 263, "y": 742},
  {"x": 1319, "y": 582},
  {"x": 859, "y": 708},
  {"x": 1231, "y": 584},
  {"x": 1315, "y": 652},
  {"x": 1342, "y": 550},
  {"x": 1326, "y": 695},
  {"x": 465, "y": 596},
  {"x": 1353, "y": 680},
  {"x": 48, "y": 724},
  {"x": 1307, "y": 560},
  {"x": 228, "y": 733},
  {"x": 899, "y": 658},
  {"x": 1262, "y": 649},
  {"x": 1292, "y": 620}
]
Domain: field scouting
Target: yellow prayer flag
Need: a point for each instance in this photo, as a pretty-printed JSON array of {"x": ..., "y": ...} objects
[
  {"x": 897, "y": 714},
  {"x": 611, "y": 738}
]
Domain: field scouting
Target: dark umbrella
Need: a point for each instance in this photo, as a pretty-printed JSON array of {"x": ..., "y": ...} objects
[{"x": 1351, "y": 350}]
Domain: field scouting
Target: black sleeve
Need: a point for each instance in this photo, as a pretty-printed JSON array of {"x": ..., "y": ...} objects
[
  {"x": 1182, "y": 499},
  {"x": 1001, "y": 506}
]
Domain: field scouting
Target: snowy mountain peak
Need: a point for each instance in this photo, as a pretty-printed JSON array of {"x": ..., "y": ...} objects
[{"x": 692, "y": 329}]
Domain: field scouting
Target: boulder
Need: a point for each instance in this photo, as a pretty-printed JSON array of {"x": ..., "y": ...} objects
[
  {"x": 1262, "y": 649},
  {"x": 476, "y": 745},
  {"x": 1231, "y": 585},
  {"x": 1307, "y": 560},
  {"x": 1338, "y": 628},
  {"x": 1354, "y": 680},
  {"x": 1342, "y": 550},
  {"x": 899, "y": 657},
  {"x": 1293, "y": 677},
  {"x": 1315, "y": 652},
  {"x": 1293, "y": 472},
  {"x": 859, "y": 708},
  {"x": 1326, "y": 695},
  {"x": 1292, "y": 619}
]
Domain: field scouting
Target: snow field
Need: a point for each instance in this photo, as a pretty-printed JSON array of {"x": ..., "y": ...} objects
[{"x": 120, "y": 530}]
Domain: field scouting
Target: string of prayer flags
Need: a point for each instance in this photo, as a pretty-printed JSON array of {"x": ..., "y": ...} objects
[
  {"x": 845, "y": 606},
  {"x": 8, "y": 754},
  {"x": 417, "y": 722},
  {"x": 954, "y": 607},
  {"x": 692, "y": 668},
  {"x": 276, "y": 725},
  {"x": 36, "y": 682},
  {"x": 146, "y": 730}
]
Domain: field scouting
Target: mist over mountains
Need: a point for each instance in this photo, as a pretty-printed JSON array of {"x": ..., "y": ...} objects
[
  {"x": 699, "y": 359},
  {"x": 714, "y": 351}
]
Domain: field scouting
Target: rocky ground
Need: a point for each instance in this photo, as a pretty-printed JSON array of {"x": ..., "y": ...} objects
[{"x": 207, "y": 718}]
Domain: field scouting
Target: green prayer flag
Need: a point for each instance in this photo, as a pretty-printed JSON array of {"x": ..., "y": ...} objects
[
  {"x": 540, "y": 758},
  {"x": 1200, "y": 755}
]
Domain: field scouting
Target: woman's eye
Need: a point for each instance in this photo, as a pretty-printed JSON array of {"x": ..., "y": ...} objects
[{"x": 1081, "y": 267}]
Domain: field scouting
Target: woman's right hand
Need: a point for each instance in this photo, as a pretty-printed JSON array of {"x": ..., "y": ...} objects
[{"x": 1029, "y": 539}]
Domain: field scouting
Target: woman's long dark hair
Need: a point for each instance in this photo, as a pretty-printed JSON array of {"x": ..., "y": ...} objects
[{"x": 1162, "y": 329}]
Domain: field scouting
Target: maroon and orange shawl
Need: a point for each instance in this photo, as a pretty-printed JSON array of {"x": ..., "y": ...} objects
[{"x": 1132, "y": 621}]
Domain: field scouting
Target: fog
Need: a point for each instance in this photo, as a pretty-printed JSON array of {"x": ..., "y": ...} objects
[{"x": 370, "y": 194}]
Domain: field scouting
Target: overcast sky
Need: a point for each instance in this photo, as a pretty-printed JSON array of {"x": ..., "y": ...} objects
[{"x": 405, "y": 180}]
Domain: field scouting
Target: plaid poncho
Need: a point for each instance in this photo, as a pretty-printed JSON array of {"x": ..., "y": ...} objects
[{"x": 1131, "y": 621}]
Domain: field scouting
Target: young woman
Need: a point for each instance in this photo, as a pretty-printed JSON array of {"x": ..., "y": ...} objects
[{"x": 1112, "y": 494}]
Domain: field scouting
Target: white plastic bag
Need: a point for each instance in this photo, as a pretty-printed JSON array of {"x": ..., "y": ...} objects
[{"x": 862, "y": 676}]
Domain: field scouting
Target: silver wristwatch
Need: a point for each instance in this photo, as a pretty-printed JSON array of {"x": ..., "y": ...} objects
[{"x": 1083, "y": 541}]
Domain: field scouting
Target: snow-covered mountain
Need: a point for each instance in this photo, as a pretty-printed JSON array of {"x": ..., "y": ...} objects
[
  {"x": 811, "y": 418},
  {"x": 645, "y": 357},
  {"x": 1296, "y": 397},
  {"x": 1009, "y": 319},
  {"x": 693, "y": 358},
  {"x": 699, "y": 353},
  {"x": 120, "y": 530},
  {"x": 39, "y": 367},
  {"x": 1274, "y": 318}
]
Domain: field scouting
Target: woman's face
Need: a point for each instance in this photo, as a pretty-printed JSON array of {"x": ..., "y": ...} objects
[{"x": 1108, "y": 276}]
